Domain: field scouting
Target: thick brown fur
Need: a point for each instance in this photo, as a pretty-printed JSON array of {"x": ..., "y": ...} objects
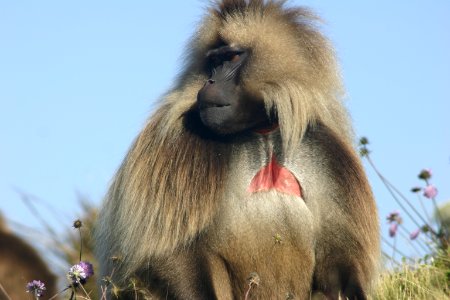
[
  {"x": 20, "y": 264},
  {"x": 178, "y": 213}
]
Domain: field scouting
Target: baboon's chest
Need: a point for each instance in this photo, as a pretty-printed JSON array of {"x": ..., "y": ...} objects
[
  {"x": 263, "y": 209},
  {"x": 268, "y": 233}
]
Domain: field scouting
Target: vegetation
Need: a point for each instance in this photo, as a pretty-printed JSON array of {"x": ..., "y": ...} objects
[{"x": 426, "y": 276}]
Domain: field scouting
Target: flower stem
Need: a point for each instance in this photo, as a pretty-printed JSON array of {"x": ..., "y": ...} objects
[
  {"x": 57, "y": 294},
  {"x": 390, "y": 258},
  {"x": 393, "y": 247},
  {"x": 408, "y": 240},
  {"x": 85, "y": 292},
  {"x": 424, "y": 209},
  {"x": 81, "y": 242},
  {"x": 4, "y": 292},
  {"x": 392, "y": 190},
  {"x": 419, "y": 241},
  {"x": 248, "y": 291}
]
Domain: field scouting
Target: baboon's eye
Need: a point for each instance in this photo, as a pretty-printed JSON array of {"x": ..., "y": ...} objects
[
  {"x": 232, "y": 56},
  {"x": 222, "y": 54},
  {"x": 235, "y": 57}
]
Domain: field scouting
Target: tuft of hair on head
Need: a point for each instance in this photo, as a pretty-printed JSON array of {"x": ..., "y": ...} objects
[
  {"x": 295, "y": 68},
  {"x": 3, "y": 225},
  {"x": 231, "y": 7}
]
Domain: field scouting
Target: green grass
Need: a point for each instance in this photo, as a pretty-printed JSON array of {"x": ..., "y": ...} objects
[{"x": 423, "y": 281}]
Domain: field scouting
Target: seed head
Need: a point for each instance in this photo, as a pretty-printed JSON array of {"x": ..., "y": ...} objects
[
  {"x": 77, "y": 224},
  {"x": 363, "y": 141},
  {"x": 253, "y": 279},
  {"x": 364, "y": 151},
  {"x": 425, "y": 174},
  {"x": 277, "y": 238},
  {"x": 425, "y": 229}
]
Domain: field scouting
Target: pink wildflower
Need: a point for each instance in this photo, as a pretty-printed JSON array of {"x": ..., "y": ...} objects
[
  {"x": 430, "y": 191},
  {"x": 393, "y": 229},
  {"x": 413, "y": 235}
]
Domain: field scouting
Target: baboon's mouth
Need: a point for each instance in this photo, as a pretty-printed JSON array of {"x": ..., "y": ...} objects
[{"x": 206, "y": 105}]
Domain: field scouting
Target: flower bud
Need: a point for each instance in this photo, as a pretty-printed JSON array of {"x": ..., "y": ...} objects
[
  {"x": 425, "y": 174},
  {"x": 393, "y": 216},
  {"x": 77, "y": 224},
  {"x": 363, "y": 141},
  {"x": 416, "y": 189}
]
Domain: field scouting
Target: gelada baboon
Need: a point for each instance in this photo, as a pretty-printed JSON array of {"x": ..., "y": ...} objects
[
  {"x": 244, "y": 182},
  {"x": 20, "y": 264}
]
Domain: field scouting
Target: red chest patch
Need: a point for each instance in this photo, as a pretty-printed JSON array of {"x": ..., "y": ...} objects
[{"x": 275, "y": 176}]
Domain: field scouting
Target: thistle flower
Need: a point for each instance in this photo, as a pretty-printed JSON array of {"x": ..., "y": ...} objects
[
  {"x": 393, "y": 229},
  {"x": 80, "y": 272},
  {"x": 413, "y": 235},
  {"x": 36, "y": 287},
  {"x": 430, "y": 191},
  {"x": 425, "y": 174}
]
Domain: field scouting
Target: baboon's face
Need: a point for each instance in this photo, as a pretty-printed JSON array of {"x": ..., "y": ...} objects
[{"x": 224, "y": 105}]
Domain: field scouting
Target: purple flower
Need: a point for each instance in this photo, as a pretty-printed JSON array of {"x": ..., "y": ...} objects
[
  {"x": 430, "y": 191},
  {"x": 393, "y": 229},
  {"x": 80, "y": 272},
  {"x": 36, "y": 287},
  {"x": 413, "y": 235}
]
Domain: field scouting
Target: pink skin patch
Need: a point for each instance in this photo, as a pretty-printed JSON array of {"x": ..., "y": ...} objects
[{"x": 275, "y": 176}]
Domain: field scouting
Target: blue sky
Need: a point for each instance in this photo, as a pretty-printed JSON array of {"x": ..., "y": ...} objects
[{"x": 79, "y": 78}]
